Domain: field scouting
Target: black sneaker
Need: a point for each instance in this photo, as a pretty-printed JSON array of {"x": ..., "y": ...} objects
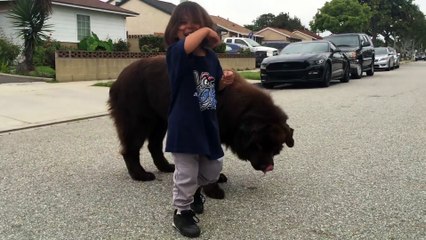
[
  {"x": 186, "y": 223},
  {"x": 198, "y": 205}
]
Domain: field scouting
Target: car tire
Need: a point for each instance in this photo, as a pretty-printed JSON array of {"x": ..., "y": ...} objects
[
  {"x": 357, "y": 74},
  {"x": 346, "y": 74},
  {"x": 326, "y": 76},
  {"x": 371, "y": 71},
  {"x": 267, "y": 85}
]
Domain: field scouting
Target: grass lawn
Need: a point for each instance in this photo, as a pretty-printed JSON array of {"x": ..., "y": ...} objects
[{"x": 250, "y": 75}]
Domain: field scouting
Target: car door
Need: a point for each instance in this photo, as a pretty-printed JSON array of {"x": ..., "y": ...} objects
[
  {"x": 338, "y": 61},
  {"x": 367, "y": 52}
]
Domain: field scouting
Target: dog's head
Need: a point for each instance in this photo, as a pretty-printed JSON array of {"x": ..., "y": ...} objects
[{"x": 259, "y": 141}]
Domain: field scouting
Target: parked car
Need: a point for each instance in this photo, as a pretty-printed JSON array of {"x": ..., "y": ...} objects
[
  {"x": 360, "y": 50},
  {"x": 384, "y": 58},
  {"x": 233, "y": 48},
  {"x": 277, "y": 45},
  {"x": 254, "y": 46},
  {"x": 396, "y": 56},
  {"x": 420, "y": 56},
  {"x": 314, "y": 62}
]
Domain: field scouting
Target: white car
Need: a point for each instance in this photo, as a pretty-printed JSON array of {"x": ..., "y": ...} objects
[{"x": 254, "y": 46}]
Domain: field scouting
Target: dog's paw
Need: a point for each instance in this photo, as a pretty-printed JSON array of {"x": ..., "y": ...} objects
[{"x": 213, "y": 190}]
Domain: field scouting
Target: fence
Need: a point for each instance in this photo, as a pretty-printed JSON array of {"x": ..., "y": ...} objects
[{"x": 82, "y": 65}]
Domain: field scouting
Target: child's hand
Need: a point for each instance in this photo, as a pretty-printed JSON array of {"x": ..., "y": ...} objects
[
  {"x": 227, "y": 79},
  {"x": 213, "y": 39}
]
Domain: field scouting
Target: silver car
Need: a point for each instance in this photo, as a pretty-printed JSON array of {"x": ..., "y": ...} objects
[
  {"x": 384, "y": 58},
  {"x": 396, "y": 56}
]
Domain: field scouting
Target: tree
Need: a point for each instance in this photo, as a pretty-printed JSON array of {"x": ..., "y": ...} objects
[
  {"x": 264, "y": 20},
  {"x": 29, "y": 17},
  {"x": 282, "y": 20},
  {"x": 400, "y": 23},
  {"x": 339, "y": 16}
]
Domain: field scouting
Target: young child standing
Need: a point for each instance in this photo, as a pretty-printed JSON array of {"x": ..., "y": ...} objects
[{"x": 193, "y": 137}]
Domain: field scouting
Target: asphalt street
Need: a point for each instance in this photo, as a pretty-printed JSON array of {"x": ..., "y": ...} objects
[{"x": 357, "y": 171}]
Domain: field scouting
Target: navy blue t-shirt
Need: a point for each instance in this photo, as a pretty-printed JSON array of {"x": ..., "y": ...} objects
[{"x": 192, "y": 125}]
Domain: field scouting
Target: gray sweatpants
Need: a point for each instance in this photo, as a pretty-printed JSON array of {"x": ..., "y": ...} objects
[{"x": 191, "y": 172}]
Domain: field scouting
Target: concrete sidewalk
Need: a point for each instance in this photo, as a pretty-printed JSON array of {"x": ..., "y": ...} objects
[{"x": 30, "y": 104}]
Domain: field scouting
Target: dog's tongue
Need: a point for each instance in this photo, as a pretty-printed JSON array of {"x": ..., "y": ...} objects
[{"x": 268, "y": 168}]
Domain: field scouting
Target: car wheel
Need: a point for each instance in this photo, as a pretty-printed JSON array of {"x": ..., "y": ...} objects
[
  {"x": 346, "y": 74},
  {"x": 267, "y": 85},
  {"x": 357, "y": 73},
  {"x": 371, "y": 71},
  {"x": 389, "y": 66},
  {"x": 326, "y": 77}
]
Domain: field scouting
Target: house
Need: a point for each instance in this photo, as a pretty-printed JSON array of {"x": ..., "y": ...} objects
[
  {"x": 306, "y": 35},
  {"x": 154, "y": 16},
  {"x": 228, "y": 28},
  {"x": 271, "y": 34},
  {"x": 73, "y": 20}
]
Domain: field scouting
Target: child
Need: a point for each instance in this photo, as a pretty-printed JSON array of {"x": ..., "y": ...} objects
[{"x": 193, "y": 138}]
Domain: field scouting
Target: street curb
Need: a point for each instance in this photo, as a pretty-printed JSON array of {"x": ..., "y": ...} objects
[
  {"x": 11, "y": 78},
  {"x": 52, "y": 123}
]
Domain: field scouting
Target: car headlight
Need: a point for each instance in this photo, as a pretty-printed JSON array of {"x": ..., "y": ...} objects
[
  {"x": 320, "y": 61},
  {"x": 263, "y": 65},
  {"x": 317, "y": 61},
  {"x": 351, "y": 55}
]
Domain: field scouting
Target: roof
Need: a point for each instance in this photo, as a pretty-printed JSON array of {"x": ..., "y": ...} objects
[
  {"x": 307, "y": 32},
  {"x": 95, "y": 5},
  {"x": 230, "y": 26},
  {"x": 160, "y": 5},
  {"x": 277, "y": 30}
]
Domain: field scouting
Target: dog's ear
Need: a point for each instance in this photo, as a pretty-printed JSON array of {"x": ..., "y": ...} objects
[{"x": 289, "y": 141}]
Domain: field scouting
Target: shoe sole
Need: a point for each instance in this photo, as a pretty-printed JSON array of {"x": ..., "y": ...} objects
[{"x": 173, "y": 224}]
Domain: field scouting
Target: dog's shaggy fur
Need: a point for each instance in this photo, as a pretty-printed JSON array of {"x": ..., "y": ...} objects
[{"x": 251, "y": 125}]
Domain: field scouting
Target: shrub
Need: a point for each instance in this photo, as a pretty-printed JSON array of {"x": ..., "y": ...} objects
[
  {"x": 151, "y": 43},
  {"x": 93, "y": 43},
  {"x": 220, "y": 48},
  {"x": 43, "y": 71},
  {"x": 8, "y": 53},
  {"x": 120, "y": 46},
  {"x": 44, "y": 54}
]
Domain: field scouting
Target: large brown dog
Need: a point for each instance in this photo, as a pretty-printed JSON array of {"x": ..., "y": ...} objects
[{"x": 250, "y": 124}]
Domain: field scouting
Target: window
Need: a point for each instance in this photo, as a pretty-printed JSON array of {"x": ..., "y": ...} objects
[
  {"x": 83, "y": 26},
  {"x": 241, "y": 42}
]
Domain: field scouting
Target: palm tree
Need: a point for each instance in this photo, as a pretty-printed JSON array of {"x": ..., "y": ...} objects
[{"x": 29, "y": 17}]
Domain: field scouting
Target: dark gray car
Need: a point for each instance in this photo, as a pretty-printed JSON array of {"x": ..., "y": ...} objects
[{"x": 360, "y": 50}]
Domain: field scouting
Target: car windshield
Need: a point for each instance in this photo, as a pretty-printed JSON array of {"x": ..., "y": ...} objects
[
  {"x": 311, "y": 47},
  {"x": 252, "y": 42},
  {"x": 381, "y": 51},
  {"x": 344, "y": 41}
]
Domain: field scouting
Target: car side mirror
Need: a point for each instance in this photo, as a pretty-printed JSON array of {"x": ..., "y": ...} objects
[{"x": 365, "y": 44}]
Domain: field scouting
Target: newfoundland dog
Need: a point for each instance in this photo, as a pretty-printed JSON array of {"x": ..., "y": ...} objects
[{"x": 251, "y": 125}]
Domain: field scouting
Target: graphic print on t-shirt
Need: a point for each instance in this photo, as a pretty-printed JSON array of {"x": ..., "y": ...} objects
[{"x": 205, "y": 90}]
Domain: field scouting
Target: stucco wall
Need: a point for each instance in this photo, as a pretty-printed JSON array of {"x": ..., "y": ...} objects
[{"x": 149, "y": 21}]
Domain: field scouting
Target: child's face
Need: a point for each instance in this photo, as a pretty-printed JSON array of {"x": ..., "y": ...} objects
[{"x": 186, "y": 27}]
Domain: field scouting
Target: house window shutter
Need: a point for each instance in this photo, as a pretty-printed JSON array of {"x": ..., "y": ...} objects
[{"x": 83, "y": 26}]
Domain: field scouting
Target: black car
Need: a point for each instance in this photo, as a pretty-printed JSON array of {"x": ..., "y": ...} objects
[
  {"x": 360, "y": 50},
  {"x": 317, "y": 62}
]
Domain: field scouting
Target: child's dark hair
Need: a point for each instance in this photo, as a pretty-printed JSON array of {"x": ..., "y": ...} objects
[{"x": 188, "y": 9}]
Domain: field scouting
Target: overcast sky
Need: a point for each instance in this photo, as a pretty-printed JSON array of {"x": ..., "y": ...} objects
[{"x": 244, "y": 12}]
